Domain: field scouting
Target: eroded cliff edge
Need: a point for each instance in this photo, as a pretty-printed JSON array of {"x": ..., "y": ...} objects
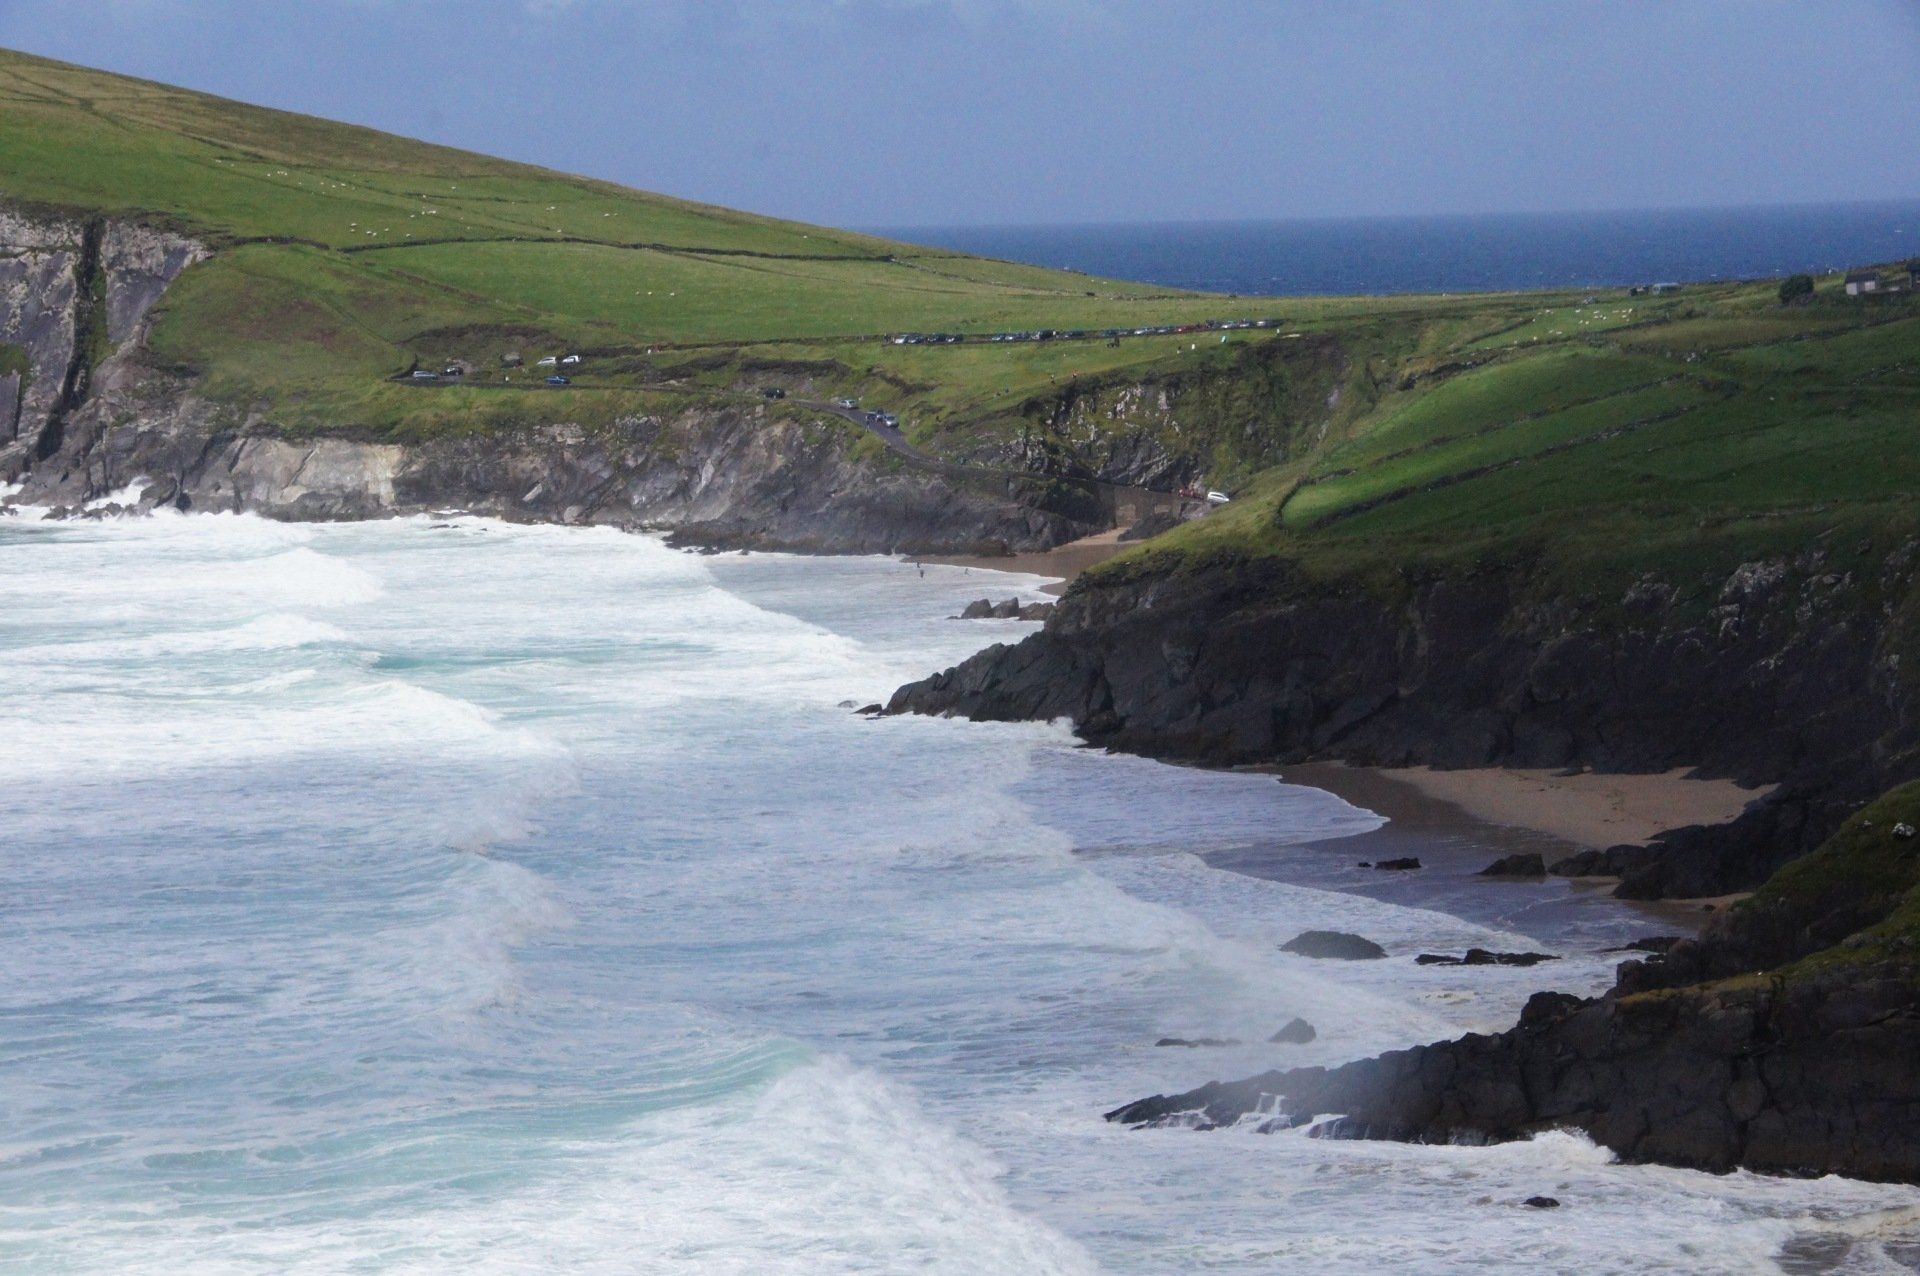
[{"x": 84, "y": 413}]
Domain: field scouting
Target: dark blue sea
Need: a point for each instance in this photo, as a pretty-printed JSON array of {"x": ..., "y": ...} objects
[{"x": 1458, "y": 253}]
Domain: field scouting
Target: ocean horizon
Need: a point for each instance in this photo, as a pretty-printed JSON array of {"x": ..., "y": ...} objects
[{"x": 1456, "y": 252}]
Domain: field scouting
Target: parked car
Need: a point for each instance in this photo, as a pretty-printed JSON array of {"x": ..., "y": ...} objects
[
  {"x": 452, "y": 370},
  {"x": 559, "y": 380},
  {"x": 547, "y": 361},
  {"x": 774, "y": 392},
  {"x": 421, "y": 374},
  {"x": 848, "y": 404},
  {"x": 570, "y": 360},
  {"x": 1218, "y": 498}
]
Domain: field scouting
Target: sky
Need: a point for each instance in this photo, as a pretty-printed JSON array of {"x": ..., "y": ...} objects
[{"x": 958, "y": 112}]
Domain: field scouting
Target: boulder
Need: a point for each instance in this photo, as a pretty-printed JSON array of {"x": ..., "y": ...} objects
[
  {"x": 1656, "y": 944},
  {"x": 1195, "y": 1042},
  {"x": 978, "y": 609},
  {"x": 1335, "y": 945},
  {"x": 1296, "y": 1032},
  {"x": 1541, "y": 1203},
  {"x": 1526, "y": 864},
  {"x": 1403, "y": 865}
]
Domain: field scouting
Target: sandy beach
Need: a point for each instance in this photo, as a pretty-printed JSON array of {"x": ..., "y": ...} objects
[
  {"x": 1064, "y": 561},
  {"x": 1589, "y": 809},
  {"x": 1453, "y": 844}
]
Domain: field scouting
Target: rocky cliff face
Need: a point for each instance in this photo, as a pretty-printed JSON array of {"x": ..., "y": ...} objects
[
  {"x": 82, "y": 415},
  {"x": 1784, "y": 671},
  {"x": 70, "y": 293},
  {"x": 1251, "y": 409}
]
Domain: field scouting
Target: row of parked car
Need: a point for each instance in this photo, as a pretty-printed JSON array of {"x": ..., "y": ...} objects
[
  {"x": 1079, "y": 334},
  {"x": 454, "y": 371}
]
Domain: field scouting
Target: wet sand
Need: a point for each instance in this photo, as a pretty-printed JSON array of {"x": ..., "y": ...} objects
[
  {"x": 1453, "y": 845},
  {"x": 1062, "y": 561},
  {"x": 1588, "y": 808}
]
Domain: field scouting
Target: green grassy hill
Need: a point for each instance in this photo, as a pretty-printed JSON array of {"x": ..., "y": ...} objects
[
  {"x": 1591, "y": 427},
  {"x": 1712, "y": 427},
  {"x": 346, "y": 254}
]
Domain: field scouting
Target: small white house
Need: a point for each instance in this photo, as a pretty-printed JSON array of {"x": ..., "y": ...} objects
[{"x": 1860, "y": 281}]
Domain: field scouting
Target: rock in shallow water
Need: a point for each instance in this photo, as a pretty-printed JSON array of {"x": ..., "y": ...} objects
[
  {"x": 1296, "y": 1032},
  {"x": 1483, "y": 957},
  {"x": 1529, "y": 864},
  {"x": 1334, "y": 944}
]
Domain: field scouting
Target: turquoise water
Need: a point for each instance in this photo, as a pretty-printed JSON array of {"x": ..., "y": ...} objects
[{"x": 424, "y": 896}]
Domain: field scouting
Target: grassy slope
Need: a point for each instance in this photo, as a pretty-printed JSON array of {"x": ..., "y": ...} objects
[
  {"x": 1717, "y": 427},
  {"x": 347, "y": 255},
  {"x": 1597, "y": 435},
  {"x": 384, "y": 250}
]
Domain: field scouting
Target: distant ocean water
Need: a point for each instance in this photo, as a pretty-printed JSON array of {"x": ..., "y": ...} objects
[{"x": 1457, "y": 253}]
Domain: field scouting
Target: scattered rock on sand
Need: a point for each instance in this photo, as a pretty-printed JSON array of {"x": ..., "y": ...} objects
[
  {"x": 1335, "y": 944},
  {"x": 1297, "y": 1032},
  {"x": 1541, "y": 1203},
  {"x": 1404, "y": 865},
  {"x": 1483, "y": 957},
  {"x": 1527, "y": 864}
]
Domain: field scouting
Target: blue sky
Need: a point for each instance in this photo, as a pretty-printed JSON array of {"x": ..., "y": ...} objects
[{"x": 900, "y": 112}]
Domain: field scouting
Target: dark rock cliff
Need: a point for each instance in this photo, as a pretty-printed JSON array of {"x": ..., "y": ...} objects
[
  {"x": 1782, "y": 1040},
  {"x": 1781, "y": 672}
]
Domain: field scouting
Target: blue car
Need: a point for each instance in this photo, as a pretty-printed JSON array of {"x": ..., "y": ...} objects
[{"x": 558, "y": 380}]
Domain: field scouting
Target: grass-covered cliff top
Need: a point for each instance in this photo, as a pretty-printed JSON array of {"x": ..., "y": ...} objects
[
  {"x": 1864, "y": 881},
  {"x": 1680, "y": 434}
]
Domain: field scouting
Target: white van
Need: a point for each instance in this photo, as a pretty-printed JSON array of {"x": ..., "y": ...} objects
[{"x": 1217, "y": 498}]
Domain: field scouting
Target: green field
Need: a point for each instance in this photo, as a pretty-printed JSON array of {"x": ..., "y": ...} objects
[{"x": 1592, "y": 431}]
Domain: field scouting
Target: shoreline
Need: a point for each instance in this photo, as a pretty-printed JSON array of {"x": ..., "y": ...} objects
[
  {"x": 1062, "y": 562},
  {"x": 1453, "y": 845}
]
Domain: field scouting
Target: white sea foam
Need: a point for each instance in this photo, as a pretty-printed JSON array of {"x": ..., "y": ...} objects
[{"x": 411, "y": 897}]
